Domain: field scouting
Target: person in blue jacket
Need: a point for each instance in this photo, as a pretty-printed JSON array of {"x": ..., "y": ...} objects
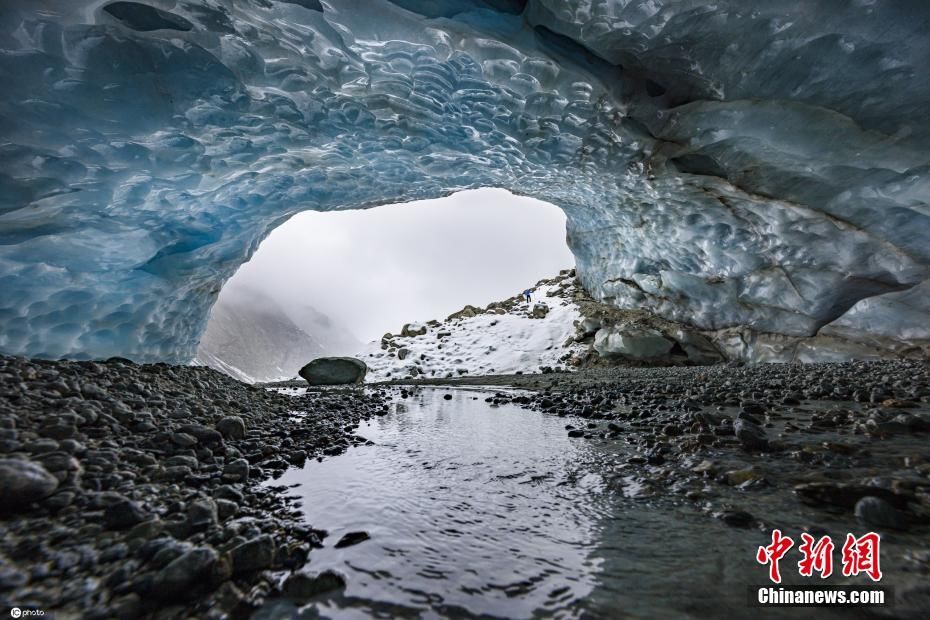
[{"x": 528, "y": 295}]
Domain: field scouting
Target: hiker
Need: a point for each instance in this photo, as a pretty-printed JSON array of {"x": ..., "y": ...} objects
[{"x": 527, "y": 293}]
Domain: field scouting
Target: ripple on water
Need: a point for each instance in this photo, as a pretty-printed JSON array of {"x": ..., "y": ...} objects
[
  {"x": 477, "y": 510},
  {"x": 471, "y": 509}
]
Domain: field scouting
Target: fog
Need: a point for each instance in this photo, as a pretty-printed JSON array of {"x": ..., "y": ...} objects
[{"x": 372, "y": 271}]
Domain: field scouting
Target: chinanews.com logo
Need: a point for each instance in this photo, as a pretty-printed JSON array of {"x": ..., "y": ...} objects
[
  {"x": 16, "y": 612},
  {"x": 859, "y": 555}
]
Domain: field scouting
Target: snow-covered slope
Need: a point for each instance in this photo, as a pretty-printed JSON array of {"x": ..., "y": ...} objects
[{"x": 505, "y": 337}]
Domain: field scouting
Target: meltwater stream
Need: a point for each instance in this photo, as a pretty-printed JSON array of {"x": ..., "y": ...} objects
[{"x": 476, "y": 510}]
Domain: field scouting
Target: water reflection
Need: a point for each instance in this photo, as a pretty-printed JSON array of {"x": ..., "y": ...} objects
[
  {"x": 483, "y": 511},
  {"x": 472, "y": 510}
]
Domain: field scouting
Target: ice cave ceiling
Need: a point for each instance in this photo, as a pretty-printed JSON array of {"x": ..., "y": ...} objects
[{"x": 755, "y": 165}]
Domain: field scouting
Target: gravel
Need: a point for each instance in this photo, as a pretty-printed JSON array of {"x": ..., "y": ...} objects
[{"x": 136, "y": 491}]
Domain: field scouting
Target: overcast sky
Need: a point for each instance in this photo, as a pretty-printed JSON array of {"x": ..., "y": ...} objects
[{"x": 374, "y": 270}]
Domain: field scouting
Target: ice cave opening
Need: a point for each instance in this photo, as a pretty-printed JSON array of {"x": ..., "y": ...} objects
[
  {"x": 327, "y": 283},
  {"x": 758, "y": 171}
]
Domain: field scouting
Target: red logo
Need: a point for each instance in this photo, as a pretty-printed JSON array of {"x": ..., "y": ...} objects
[
  {"x": 817, "y": 557},
  {"x": 860, "y": 555},
  {"x": 773, "y": 553}
]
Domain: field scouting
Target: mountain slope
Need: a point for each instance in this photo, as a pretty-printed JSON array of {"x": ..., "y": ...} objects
[
  {"x": 252, "y": 338},
  {"x": 508, "y": 336},
  {"x": 333, "y": 337}
]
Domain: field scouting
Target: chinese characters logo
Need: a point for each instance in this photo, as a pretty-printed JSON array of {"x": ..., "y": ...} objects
[{"x": 859, "y": 555}]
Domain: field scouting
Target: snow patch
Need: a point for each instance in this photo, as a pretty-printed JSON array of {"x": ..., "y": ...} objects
[{"x": 488, "y": 343}]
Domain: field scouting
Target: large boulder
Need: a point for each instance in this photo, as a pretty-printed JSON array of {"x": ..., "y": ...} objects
[
  {"x": 631, "y": 342},
  {"x": 334, "y": 371},
  {"x": 413, "y": 329},
  {"x": 23, "y": 482},
  {"x": 465, "y": 313}
]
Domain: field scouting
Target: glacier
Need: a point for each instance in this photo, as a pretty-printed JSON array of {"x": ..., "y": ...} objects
[{"x": 759, "y": 170}]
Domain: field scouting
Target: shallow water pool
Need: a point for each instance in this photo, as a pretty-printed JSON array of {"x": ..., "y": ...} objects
[{"x": 475, "y": 510}]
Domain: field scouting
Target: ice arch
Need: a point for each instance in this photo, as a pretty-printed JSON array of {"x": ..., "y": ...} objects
[{"x": 761, "y": 166}]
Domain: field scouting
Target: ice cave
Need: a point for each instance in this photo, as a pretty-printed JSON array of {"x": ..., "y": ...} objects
[{"x": 758, "y": 170}]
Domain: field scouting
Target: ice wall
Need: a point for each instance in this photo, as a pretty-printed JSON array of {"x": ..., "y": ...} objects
[{"x": 754, "y": 166}]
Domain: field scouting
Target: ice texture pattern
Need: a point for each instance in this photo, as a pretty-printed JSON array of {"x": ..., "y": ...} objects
[{"x": 746, "y": 165}]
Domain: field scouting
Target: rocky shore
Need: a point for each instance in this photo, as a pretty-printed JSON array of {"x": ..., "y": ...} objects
[
  {"x": 817, "y": 448},
  {"x": 142, "y": 490},
  {"x": 133, "y": 491}
]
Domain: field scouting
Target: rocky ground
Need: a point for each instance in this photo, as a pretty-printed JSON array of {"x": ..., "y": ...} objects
[
  {"x": 821, "y": 448},
  {"x": 136, "y": 490},
  {"x": 685, "y": 424},
  {"x": 130, "y": 491}
]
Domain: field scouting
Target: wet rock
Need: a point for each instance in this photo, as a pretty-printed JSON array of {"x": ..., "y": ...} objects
[
  {"x": 126, "y": 607},
  {"x": 226, "y": 509},
  {"x": 334, "y": 371},
  {"x": 59, "y": 500},
  {"x": 202, "y": 513},
  {"x": 81, "y": 554},
  {"x": 11, "y": 578},
  {"x": 202, "y": 433},
  {"x": 253, "y": 555},
  {"x": 752, "y": 407},
  {"x": 352, "y": 538},
  {"x": 122, "y": 514},
  {"x": 232, "y": 427},
  {"x": 736, "y": 518},
  {"x": 297, "y": 457},
  {"x": 63, "y": 466},
  {"x": 740, "y": 476},
  {"x": 58, "y": 431},
  {"x": 23, "y": 482},
  {"x": 705, "y": 467},
  {"x": 229, "y": 492},
  {"x": 876, "y": 512},
  {"x": 188, "y": 574},
  {"x": 146, "y": 530},
  {"x": 41, "y": 446},
  {"x": 163, "y": 550},
  {"x": 844, "y": 496},
  {"x": 897, "y": 403},
  {"x": 182, "y": 460},
  {"x": 114, "y": 553},
  {"x": 237, "y": 470},
  {"x": 751, "y": 436},
  {"x": 303, "y": 587},
  {"x": 184, "y": 440}
]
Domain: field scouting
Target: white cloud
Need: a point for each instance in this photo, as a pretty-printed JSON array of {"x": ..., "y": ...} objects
[{"x": 374, "y": 270}]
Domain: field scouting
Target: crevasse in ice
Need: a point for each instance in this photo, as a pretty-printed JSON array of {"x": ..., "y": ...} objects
[{"x": 760, "y": 166}]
